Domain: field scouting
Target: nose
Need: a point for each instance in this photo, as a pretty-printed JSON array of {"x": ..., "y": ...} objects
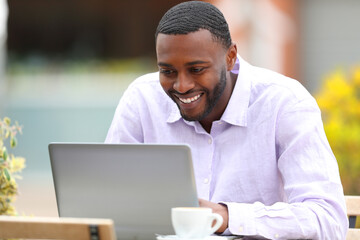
[{"x": 183, "y": 83}]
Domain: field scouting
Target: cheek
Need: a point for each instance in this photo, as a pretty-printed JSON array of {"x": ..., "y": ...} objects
[
  {"x": 165, "y": 84},
  {"x": 210, "y": 81}
]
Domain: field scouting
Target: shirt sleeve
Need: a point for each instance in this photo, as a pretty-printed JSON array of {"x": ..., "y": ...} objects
[
  {"x": 314, "y": 206},
  {"x": 126, "y": 125}
]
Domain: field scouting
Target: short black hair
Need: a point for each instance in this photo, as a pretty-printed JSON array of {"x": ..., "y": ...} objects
[{"x": 192, "y": 16}]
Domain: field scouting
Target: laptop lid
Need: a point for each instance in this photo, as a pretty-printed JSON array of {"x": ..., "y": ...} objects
[{"x": 136, "y": 185}]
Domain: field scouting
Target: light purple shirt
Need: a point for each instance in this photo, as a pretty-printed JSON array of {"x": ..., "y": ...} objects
[{"x": 267, "y": 158}]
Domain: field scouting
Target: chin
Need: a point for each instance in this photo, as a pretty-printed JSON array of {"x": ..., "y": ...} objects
[{"x": 194, "y": 117}]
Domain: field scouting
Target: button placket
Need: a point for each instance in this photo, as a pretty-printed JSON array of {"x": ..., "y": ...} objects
[{"x": 207, "y": 179}]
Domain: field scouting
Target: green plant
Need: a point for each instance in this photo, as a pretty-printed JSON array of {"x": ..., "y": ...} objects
[
  {"x": 10, "y": 166},
  {"x": 339, "y": 101}
]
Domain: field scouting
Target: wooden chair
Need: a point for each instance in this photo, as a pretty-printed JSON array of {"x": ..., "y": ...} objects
[
  {"x": 353, "y": 211},
  {"x": 56, "y": 228}
]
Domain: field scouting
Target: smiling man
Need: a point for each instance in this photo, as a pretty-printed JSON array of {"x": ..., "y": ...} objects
[
  {"x": 260, "y": 154},
  {"x": 195, "y": 73}
]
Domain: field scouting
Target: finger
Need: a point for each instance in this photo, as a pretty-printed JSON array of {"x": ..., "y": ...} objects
[{"x": 201, "y": 202}]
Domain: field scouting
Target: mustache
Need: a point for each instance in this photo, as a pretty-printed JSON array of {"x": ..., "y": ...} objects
[{"x": 173, "y": 91}]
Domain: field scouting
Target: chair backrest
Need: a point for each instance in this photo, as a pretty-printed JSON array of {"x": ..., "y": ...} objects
[
  {"x": 56, "y": 228},
  {"x": 353, "y": 211}
]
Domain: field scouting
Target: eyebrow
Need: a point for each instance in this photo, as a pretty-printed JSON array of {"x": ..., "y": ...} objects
[
  {"x": 187, "y": 64},
  {"x": 196, "y": 62},
  {"x": 164, "y": 64}
]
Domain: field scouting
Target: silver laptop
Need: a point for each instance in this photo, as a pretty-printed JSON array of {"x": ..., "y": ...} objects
[{"x": 136, "y": 185}]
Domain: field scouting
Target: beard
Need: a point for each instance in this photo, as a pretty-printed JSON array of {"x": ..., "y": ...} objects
[{"x": 212, "y": 98}]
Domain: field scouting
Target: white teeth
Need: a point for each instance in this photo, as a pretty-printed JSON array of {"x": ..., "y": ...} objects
[{"x": 189, "y": 100}]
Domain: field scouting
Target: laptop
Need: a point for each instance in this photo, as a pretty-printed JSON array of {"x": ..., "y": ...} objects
[{"x": 135, "y": 185}]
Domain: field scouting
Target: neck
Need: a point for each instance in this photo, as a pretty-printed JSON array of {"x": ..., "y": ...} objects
[{"x": 206, "y": 123}]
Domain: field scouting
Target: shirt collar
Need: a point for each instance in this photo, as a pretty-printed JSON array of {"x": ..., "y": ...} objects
[
  {"x": 236, "y": 110},
  {"x": 174, "y": 114}
]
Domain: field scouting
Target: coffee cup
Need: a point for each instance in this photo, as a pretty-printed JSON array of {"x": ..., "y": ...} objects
[{"x": 194, "y": 222}]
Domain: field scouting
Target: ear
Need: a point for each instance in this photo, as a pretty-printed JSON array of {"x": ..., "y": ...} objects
[{"x": 231, "y": 56}]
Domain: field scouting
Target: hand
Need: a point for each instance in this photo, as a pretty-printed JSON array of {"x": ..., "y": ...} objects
[{"x": 219, "y": 209}]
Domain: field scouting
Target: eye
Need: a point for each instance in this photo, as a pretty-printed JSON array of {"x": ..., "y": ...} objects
[
  {"x": 196, "y": 69},
  {"x": 166, "y": 71}
]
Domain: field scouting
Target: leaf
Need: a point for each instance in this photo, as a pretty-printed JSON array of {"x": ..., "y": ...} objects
[
  {"x": 13, "y": 142},
  {"x": 7, "y": 174},
  {"x": 5, "y": 154},
  {"x": 7, "y": 121},
  {"x": 7, "y": 134}
]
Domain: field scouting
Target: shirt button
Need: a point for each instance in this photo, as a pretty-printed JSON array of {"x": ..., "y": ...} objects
[
  {"x": 210, "y": 141},
  {"x": 206, "y": 181},
  {"x": 241, "y": 229}
]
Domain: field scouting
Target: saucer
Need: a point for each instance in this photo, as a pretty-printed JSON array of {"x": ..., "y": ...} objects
[{"x": 175, "y": 237}]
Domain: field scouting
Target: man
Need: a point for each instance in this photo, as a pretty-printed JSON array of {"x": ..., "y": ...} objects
[{"x": 261, "y": 157}]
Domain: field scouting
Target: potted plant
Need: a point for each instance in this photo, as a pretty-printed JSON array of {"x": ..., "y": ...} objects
[
  {"x": 339, "y": 100},
  {"x": 10, "y": 165}
]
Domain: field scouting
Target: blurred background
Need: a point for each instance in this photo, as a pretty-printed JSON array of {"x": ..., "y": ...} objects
[{"x": 65, "y": 64}]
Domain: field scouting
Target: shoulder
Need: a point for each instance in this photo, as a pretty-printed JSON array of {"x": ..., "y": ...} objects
[
  {"x": 145, "y": 89},
  {"x": 272, "y": 85},
  {"x": 150, "y": 80},
  {"x": 147, "y": 84}
]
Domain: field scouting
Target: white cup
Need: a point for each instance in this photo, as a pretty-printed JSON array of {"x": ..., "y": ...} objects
[{"x": 194, "y": 222}]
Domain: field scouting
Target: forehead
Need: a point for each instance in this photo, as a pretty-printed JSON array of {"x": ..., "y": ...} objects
[{"x": 198, "y": 45}]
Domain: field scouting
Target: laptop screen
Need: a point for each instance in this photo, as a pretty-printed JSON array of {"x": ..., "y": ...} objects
[{"x": 136, "y": 185}]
